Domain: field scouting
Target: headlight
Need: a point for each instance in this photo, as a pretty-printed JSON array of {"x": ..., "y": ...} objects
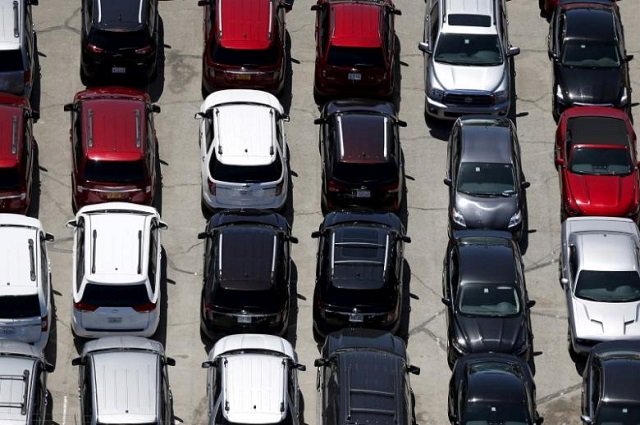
[
  {"x": 624, "y": 98},
  {"x": 436, "y": 94},
  {"x": 501, "y": 96},
  {"x": 559, "y": 94},
  {"x": 515, "y": 219},
  {"x": 458, "y": 218}
]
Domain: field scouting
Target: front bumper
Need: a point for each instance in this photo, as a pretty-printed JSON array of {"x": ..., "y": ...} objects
[{"x": 443, "y": 111}]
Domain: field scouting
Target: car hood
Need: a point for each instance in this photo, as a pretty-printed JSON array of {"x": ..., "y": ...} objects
[
  {"x": 491, "y": 334},
  {"x": 454, "y": 77},
  {"x": 486, "y": 212},
  {"x": 602, "y": 195},
  {"x": 597, "y": 86},
  {"x": 605, "y": 321}
]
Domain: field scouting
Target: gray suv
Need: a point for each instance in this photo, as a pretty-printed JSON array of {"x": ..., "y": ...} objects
[
  {"x": 107, "y": 365},
  {"x": 23, "y": 384},
  {"x": 467, "y": 58}
]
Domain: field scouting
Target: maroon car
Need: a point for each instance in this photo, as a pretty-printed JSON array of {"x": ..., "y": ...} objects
[
  {"x": 114, "y": 149},
  {"x": 356, "y": 49}
]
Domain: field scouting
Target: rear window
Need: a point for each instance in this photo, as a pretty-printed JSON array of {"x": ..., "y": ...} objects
[
  {"x": 115, "y": 295},
  {"x": 11, "y": 60},
  {"x": 115, "y": 171},
  {"x": 355, "y": 56},
  {"x": 120, "y": 39},
  {"x": 10, "y": 178},
  {"x": 241, "y": 57},
  {"x": 19, "y": 306},
  {"x": 469, "y": 20},
  {"x": 246, "y": 174}
]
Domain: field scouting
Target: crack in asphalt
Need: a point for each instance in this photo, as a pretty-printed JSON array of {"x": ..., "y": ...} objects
[{"x": 558, "y": 394}]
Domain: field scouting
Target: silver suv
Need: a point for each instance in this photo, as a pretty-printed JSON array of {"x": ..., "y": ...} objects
[
  {"x": 467, "y": 58},
  {"x": 600, "y": 275},
  {"x": 110, "y": 365}
]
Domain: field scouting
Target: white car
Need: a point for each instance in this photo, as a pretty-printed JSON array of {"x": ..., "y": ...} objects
[
  {"x": 243, "y": 151},
  {"x": 600, "y": 274},
  {"x": 25, "y": 281},
  {"x": 117, "y": 253},
  {"x": 253, "y": 379}
]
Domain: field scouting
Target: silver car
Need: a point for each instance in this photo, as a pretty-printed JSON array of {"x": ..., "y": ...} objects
[
  {"x": 467, "y": 58},
  {"x": 600, "y": 275}
]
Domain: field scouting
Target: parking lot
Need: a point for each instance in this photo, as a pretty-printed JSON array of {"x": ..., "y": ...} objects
[{"x": 177, "y": 91}]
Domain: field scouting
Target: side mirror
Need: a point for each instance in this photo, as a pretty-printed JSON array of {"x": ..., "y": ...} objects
[
  {"x": 33, "y": 2},
  {"x": 446, "y": 301},
  {"x": 415, "y": 370},
  {"x": 586, "y": 419},
  {"x": 155, "y": 108},
  {"x": 525, "y": 185},
  {"x": 199, "y": 115},
  {"x": 320, "y": 362},
  {"x": 71, "y": 223},
  {"x": 396, "y": 12},
  {"x": 424, "y": 47},
  {"x": 162, "y": 225},
  {"x": 564, "y": 282},
  {"x": 531, "y": 303},
  {"x": 68, "y": 107},
  {"x": 405, "y": 239},
  {"x": 49, "y": 237},
  {"x": 48, "y": 367},
  {"x": 300, "y": 367},
  {"x": 207, "y": 364},
  {"x": 401, "y": 123},
  {"x": 315, "y": 7},
  {"x": 513, "y": 51},
  {"x": 446, "y": 181},
  {"x": 285, "y": 118},
  {"x": 203, "y": 235},
  {"x": 292, "y": 239},
  {"x": 628, "y": 58},
  {"x": 76, "y": 361},
  {"x": 170, "y": 361},
  {"x": 559, "y": 162},
  {"x": 540, "y": 420},
  {"x": 318, "y": 121},
  {"x": 35, "y": 115},
  {"x": 203, "y": 2},
  {"x": 316, "y": 234}
]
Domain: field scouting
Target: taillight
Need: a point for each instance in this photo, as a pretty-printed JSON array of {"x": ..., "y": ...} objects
[
  {"x": 279, "y": 187},
  {"x": 144, "y": 308},
  {"x": 212, "y": 187},
  {"x": 144, "y": 50},
  {"x": 27, "y": 75},
  {"x": 84, "y": 306},
  {"x": 94, "y": 49},
  {"x": 334, "y": 186},
  {"x": 391, "y": 188},
  {"x": 44, "y": 323}
]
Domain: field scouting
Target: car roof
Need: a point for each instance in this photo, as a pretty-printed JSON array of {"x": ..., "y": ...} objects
[
  {"x": 16, "y": 377},
  {"x": 363, "y": 138},
  {"x": 590, "y": 22},
  {"x": 599, "y": 130},
  {"x": 390, "y": 220},
  {"x": 619, "y": 378},
  {"x": 363, "y": 339},
  {"x": 469, "y": 17},
  {"x": 476, "y": 252},
  {"x": 359, "y": 105},
  {"x": 248, "y": 219},
  {"x": 11, "y": 31},
  {"x": 114, "y": 128},
  {"x": 494, "y": 381},
  {"x": 357, "y": 24},
  {"x": 126, "y": 342},
  {"x": 11, "y": 134},
  {"x": 244, "y": 342},
  {"x": 19, "y": 255},
  {"x": 607, "y": 251},
  {"x": 248, "y": 24},
  {"x": 486, "y": 143},
  {"x": 120, "y": 14}
]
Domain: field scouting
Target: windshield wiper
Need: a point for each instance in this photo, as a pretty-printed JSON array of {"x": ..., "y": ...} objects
[{"x": 508, "y": 193}]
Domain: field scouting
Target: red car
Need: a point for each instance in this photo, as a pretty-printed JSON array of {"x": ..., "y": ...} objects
[
  {"x": 356, "y": 49},
  {"x": 244, "y": 45},
  {"x": 18, "y": 151},
  {"x": 595, "y": 155},
  {"x": 114, "y": 149}
]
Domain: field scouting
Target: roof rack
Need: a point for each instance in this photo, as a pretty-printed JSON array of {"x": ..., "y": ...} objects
[
  {"x": 139, "y": 251},
  {"x": 270, "y": 20},
  {"x": 94, "y": 236},
  {"x": 32, "y": 261},
  {"x": 14, "y": 134},
  {"x": 364, "y": 391},
  {"x": 340, "y": 135},
  {"x": 90, "y": 127},
  {"x": 138, "y": 129},
  {"x": 16, "y": 20},
  {"x": 22, "y": 405},
  {"x": 273, "y": 256},
  {"x": 220, "y": 255}
]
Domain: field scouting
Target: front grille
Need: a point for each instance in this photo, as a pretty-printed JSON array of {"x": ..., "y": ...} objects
[{"x": 466, "y": 99}]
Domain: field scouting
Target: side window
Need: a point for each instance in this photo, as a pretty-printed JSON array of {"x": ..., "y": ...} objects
[
  {"x": 37, "y": 410},
  {"x": 435, "y": 23},
  {"x": 595, "y": 387},
  {"x": 151, "y": 143},
  {"x": 88, "y": 13},
  {"x": 87, "y": 395},
  {"x": 573, "y": 262},
  {"x": 76, "y": 122},
  {"x": 79, "y": 253},
  {"x": 324, "y": 27},
  {"x": 153, "y": 254},
  {"x": 453, "y": 272}
]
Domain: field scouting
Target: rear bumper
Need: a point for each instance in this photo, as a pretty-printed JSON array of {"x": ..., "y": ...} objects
[{"x": 97, "y": 330}]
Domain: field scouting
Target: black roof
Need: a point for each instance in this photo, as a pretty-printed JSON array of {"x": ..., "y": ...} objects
[
  {"x": 477, "y": 251},
  {"x": 352, "y": 217},
  {"x": 620, "y": 378},
  {"x": 363, "y": 339},
  {"x": 359, "y": 105},
  {"x": 359, "y": 256},
  {"x": 120, "y": 14},
  {"x": 590, "y": 23},
  {"x": 248, "y": 217},
  {"x": 597, "y": 130}
]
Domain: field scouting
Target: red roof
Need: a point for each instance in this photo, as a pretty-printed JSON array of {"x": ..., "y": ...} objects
[
  {"x": 11, "y": 119},
  {"x": 245, "y": 24},
  {"x": 112, "y": 92},
  {"x": 357, "y": 25}
]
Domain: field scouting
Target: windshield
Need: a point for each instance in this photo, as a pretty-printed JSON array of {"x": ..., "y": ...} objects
[
  {"x": 477, "y": 413},
  {"x": 10, "y": 178},
  {"x": 608, "y": 286},
  {"x": 627, "y": 414},
  {"x": 355, "y": 56},
  {"x": 468, "y": 49},
  {"x": 478, "y": 299},
  {"x": 488, "y": 179},
  {"x": 19, "y": 306},
  {"x": 587, "y": 54},
  {"x": 600, "y": 161}
]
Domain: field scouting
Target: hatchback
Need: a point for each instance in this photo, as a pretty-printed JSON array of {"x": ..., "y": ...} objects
[
  {"x": 249, "y": 50},
  {"x": 18, "y": 154},
  {"x": 19, "y": 67},
  {"x": 362, "y": 161},
  {"x": 244, "y": 153},
  {"x": 595, "y": 155},
  {"x": 116, "y": 281},
  {"x": 359, "y": 272},
  {"x": 119, "y": 38},
  {"x": 113, "y": 162},
  {"x": 247, "y": 273},
  {"x": 356, "y": 49}
]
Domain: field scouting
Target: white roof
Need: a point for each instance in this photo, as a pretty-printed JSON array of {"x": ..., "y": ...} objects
[
  {"x": 15, "y": 257},
  {"x": 13, "y": 387},
  {"x": 8, "y": 39},
  {"x": 252, "y": 341},
  {"x": 469, "y": 7},
  {"x": 241, "y": 96},
  {"x": 114, "y": 206}
]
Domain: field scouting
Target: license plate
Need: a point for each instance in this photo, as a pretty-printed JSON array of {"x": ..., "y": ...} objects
[
  {"x": 118, "y": 70},
  {"x": 363, "y": 193},
  {"x": 244, "y": 319},
  {"x": 114, "y": 319},
  {"x": 113, "y": 195},
  {"x": 243, "y": 77},
  {"x": 355, "y": 76},
  {"x": 356, "y": 318}
]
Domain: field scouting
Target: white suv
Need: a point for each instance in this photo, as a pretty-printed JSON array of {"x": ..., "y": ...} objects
[
  {"x": 116, "y": 270},
  {"x": 243, "y": 151},
  {"x": 25, "y": 280},
  {"x": 467, "y": 58},
  {"x": 253, "y": 379}
]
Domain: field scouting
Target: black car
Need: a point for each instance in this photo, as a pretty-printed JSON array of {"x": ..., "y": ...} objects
[
  {"x": 484, "y": 290},
  {"x": 485, "y": 178},
  {"x": 363, "y": 378},
  {"x": 119, "y": 39},
  {"x": 362, "y": 163},
  {"x": 247, "y": 272},
  {"x": 610, "y": 392},
  {"x": 492, "y": 389},
  {"x": 359, "y": 272},
  {"x": 590, "y": 61}
]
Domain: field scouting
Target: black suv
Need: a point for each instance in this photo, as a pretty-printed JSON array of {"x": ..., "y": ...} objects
[
  {"x": 119, "y": 39},
  {"x": 362, "y": 163},
  {"x": 492, "y": 389},
  {"x": 484, "y": 290},
  {"x": 359, "y": 272},
  {"x": 590, "y": 61},
  {"x": 247, "y": 272},
  {"x": 485, "y": 177},
  {"x": 610, "y": 390},
  {"x": 363, "y": 378}
]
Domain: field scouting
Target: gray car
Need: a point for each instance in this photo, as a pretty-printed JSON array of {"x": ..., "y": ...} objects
[
  {"x": 109, "y": 365},
  {"x": 485, "y": 177},
  {"x": 600, "y": 275}
]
